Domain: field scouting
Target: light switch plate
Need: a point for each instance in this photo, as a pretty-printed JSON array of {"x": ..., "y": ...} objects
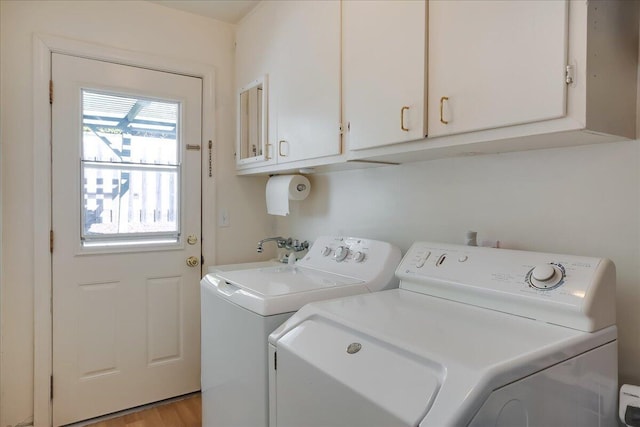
[{"x": 223, "y": 217}]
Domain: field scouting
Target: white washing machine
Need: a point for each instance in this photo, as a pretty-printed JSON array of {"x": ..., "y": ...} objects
[
  {"x": 472, "y": 337},
  {"x": 242, "y": 306}
]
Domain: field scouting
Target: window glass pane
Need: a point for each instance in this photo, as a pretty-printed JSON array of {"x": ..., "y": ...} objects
[
  {"x": 126, "y": 129},
  {"x": 130, "y": 169},
  {"x": 130, "y": 202}
]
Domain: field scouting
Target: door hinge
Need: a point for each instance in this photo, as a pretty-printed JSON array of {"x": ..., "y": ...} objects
[
  {"x": 50, "y": 91},
  {"x": 275, "y": 361},
  {"x": 340, "y": 128},
  {"x": 51, "y": 388},
  {"x": 51, "y": 241},
  {"x": 569, "y": 74}
]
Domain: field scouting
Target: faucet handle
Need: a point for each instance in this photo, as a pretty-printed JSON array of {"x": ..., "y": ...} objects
[
  {"x": 298, "y": 246},
  {"x": 284, "y": 243}
]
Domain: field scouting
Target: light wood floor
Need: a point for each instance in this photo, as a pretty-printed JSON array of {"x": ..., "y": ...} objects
[{"x": 182, "y": 413}]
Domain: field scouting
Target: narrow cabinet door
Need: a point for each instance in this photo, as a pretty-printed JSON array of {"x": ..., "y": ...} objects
[
  {"x": 495, "y": 63},
  {"x": 255, "y": 56},
  {"x": 305, "y": 80},
  {"x": 383, "y": 71}
]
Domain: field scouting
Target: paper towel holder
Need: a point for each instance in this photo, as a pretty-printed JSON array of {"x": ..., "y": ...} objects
[{"x": 281, "y": 189}]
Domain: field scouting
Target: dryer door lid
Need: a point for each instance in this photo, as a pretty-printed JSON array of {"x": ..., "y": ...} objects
[{"x": 362, "y": 381}]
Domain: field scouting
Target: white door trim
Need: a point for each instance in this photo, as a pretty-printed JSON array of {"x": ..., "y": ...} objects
[{"x": 43, "y": 47}]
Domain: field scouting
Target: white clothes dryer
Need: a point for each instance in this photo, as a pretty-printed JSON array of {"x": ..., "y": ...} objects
[
  {"x": 242, "y": 306},
  {"x": 472, "y": 337}
]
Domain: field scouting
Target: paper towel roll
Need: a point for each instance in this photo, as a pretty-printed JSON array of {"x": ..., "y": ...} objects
[{"x": 282, "y": 188}]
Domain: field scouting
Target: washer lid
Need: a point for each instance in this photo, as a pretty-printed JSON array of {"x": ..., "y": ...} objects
[
  {"x": 280, "y": 289},
  {"x": 284, "y": 280}
]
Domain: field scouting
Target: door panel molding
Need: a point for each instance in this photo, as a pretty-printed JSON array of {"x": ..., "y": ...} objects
[{"x": 43, "y": 47}]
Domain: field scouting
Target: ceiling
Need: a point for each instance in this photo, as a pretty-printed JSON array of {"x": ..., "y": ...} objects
[{"x": 230, "y": 11}]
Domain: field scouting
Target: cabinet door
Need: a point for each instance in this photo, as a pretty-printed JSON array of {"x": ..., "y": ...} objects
[
  {"x": 255, "y": 57},
  {"x": 383, "y": 71},
  {"x": 495, "y": 63},
  {"x": 305, "y": 81}
]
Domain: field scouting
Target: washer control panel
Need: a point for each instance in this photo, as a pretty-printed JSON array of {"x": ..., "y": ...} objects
[
  {"x": 353, "y": 256},
  {"x": 347, "y": 249},
  {"x": 551, "y": 287}
]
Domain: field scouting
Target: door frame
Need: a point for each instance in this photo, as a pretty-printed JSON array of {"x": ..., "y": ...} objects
[{"x": 43, "y": 46}]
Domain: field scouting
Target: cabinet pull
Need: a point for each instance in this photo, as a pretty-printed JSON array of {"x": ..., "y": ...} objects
[
  {"x": 442, "y": 120},
  {"x": 402, "y": 119},
  {"x": 280, "y": 148},
  {"x": 266, "y": 154}
]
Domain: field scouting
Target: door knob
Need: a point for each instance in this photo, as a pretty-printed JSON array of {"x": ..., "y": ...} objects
[{"x": 193, "y": 261}]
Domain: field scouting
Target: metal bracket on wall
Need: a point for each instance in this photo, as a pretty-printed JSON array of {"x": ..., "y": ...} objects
[{"x": 210, "y": 159}]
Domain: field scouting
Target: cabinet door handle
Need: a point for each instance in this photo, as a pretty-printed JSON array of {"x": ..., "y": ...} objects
[
  {"x": 442, "y": 120},
  {"x": 402, "y": 119},
  {"x": 280, "y": 148}
]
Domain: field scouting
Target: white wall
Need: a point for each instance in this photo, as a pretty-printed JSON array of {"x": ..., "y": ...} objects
[
  {"x": 582, "y": 200},
  {"x": 135, "y": 26}
]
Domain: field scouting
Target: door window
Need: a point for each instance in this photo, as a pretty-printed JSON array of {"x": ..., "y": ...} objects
[{"x": 130, "y": 170}]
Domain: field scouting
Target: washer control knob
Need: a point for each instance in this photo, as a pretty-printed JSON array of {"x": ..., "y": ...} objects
[
  {"x": 326, "y": 251},
  {"x": 358, "y": 256},
  {"x": 543, "y": 272},
  {"x": 341, "y": 253}
]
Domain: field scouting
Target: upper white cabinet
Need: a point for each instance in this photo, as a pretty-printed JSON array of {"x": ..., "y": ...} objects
[
  {"x": 307, "y": 80},
  {"x": 383, "y": 60},
  {"x": 520, "y": 75},
  {"x": 255, "y": 58},
  {"x": 418, "y": 79},
  {"x": 297, "y": 44},
  {"x": 495, "y": 63}
]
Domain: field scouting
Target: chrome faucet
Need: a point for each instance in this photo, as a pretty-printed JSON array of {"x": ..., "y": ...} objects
[
  {"x": 288, "y": 243},
  {"x": 280, "y": 241}
]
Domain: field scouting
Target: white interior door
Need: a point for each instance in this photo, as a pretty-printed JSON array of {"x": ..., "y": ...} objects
[{"x": 126, "y": 217}]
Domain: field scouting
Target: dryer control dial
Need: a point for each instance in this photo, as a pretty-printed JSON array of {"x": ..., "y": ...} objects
[
  {"x": 359, "y": 256},
  {"x": 326, "y": 251},
  {"x": 543, "y": 272},
  {"x": 341, "y": 253},
  {"x": 546, "y": 276}
]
